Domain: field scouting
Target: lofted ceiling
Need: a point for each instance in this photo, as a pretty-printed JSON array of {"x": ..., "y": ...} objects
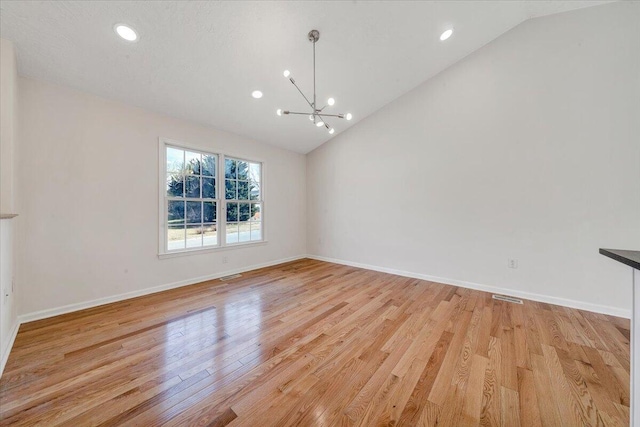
[{"x": 200, "y": 61}]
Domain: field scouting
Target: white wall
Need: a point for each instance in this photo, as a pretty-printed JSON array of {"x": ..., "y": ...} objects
[
  {"x": 88, "y": 187},
  {"x": 528, "y": 149},
  {"x": 8, "y": 137},
  {"x": 8, "y": 122}
]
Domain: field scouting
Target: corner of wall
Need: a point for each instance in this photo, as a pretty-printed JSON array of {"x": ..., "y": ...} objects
[{"x": 6, "y": 350}]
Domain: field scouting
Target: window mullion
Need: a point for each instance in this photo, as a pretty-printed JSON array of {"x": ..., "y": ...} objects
[{"x": 223, "y": 198}]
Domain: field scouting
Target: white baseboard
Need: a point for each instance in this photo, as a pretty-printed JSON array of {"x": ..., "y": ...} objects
[
  {"x": 7, "y": 350},
  {"x": 581, "y": 305},
  {"x": 43, "y": 314}
]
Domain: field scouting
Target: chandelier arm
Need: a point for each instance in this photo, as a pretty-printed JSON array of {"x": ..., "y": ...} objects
[
  {"x": 340, "y": 116},
  {"x": 301, "y": 93},
  {"x": 293, "y": 112},
  {"x": 328, "y": 127}
]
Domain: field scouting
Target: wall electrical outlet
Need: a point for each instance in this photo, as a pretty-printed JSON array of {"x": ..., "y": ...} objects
[
  {"x": 512, "y": 263},
  {"x": 225, "y": 259}
]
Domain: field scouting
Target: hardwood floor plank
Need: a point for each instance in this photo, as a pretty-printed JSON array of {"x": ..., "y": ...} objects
[
  {"x": 510, "y": 413},
  {"x": 448, "y": 368},
  {"x": 472, "y": 405},
  {"x": 490, "y": 414},
  {"x": 528, "y": 405},
  {"x": 484, "y": 332},
  {"x": 547, "y": 403}
]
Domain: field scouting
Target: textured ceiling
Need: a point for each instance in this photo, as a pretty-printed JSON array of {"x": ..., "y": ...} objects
[{"x": 201, "y": 60}]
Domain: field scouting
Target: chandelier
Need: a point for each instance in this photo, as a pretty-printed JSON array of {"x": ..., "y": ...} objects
[{"x": 317, "y": 116}]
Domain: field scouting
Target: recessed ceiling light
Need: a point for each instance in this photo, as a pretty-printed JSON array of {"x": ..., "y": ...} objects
[
  {"x": 446, "y": 34},
  {"x": 256, "y": 94},
  {"x": 126, "y": 32}
]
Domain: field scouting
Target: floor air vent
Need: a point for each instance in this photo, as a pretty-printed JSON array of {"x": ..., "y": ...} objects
[
  {"x": 233, "y": 276},
  {"x": 507, "y": 299}
]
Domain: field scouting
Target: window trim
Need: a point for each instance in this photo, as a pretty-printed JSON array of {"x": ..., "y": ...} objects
[{"x": 221, "y": 206}]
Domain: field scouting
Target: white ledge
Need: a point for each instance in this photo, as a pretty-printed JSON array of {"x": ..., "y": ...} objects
[{"x": 210, "y": 250}]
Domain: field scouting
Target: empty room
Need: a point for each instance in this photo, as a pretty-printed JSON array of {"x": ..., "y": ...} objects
[{"x": 320, "y": 213}]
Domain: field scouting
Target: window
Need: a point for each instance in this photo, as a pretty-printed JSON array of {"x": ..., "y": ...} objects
[
  {"x": 209, "y": 200},
  {"x": 242, "y": 195}
]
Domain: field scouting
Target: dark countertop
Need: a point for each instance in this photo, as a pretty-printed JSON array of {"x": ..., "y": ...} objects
[{"x": 630, "y": 258}]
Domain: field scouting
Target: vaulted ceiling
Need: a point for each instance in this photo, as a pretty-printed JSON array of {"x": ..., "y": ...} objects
[{"x": 200, "y": 61}]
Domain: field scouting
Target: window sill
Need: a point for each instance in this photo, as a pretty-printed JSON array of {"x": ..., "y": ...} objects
[{"x": 187, "y": 252}]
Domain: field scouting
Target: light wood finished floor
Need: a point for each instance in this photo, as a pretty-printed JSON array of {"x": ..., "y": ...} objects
[{"x": 316, "y": 344}]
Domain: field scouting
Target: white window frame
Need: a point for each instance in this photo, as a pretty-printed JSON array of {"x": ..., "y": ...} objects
[{"x": 221, "y": 202}]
